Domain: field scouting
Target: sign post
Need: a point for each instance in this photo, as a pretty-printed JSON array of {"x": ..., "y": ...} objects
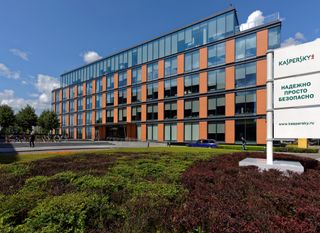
[
  {"x": 293, "y": 100},
  {"x": 270, "y": 107}
]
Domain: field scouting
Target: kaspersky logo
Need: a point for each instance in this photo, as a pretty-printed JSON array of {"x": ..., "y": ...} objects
[{"x": 296, "y": 60}]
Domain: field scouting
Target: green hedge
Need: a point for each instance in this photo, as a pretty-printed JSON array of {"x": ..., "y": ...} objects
[{"x": 276, "y": 149}]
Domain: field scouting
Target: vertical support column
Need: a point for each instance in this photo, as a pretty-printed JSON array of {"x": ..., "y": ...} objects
[{"x": 270, "y": 107}]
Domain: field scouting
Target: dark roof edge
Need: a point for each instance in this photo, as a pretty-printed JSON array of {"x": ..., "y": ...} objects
[{"x": 158, "y": 37}]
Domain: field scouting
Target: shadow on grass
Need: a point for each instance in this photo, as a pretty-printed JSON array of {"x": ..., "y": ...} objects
[{"x": 8, "y": 154}]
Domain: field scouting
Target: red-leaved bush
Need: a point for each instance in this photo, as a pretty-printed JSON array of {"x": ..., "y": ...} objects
[{"x": 224, "y": 197}]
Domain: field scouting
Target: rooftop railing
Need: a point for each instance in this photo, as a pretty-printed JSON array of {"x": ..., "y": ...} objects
[{"x": 258, "y": 22}]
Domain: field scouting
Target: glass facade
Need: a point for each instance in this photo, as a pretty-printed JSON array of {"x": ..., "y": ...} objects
[
  {"x": 245, "y": 102},
  {"x": 216, "y": 80},
  {"x": 159, "y": 96},
  {"x": 246, "y": 75},
  {"x": 216, "y": 55},
  {"x": 207, "y": 31},
  {"x": 246, "y": 47}
]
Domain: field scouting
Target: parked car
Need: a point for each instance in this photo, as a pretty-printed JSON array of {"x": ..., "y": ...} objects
[{"x": 204, "y": 143}]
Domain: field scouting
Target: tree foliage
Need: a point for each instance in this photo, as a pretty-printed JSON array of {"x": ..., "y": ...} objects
[
  {"x": 7, "y": 118},
  {"x": 26, "y": 118},
  {"x": 48, "y": 120}
]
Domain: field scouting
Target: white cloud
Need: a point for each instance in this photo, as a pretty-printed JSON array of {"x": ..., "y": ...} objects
[
  {"x": 7, "y": 73},
  {"x": 298, "y": 38},
  {"x": 40, "y": 100},
  {"x": 8, "y": 97},
  {"x": 45, "y": 84},
  {"x": 19, "y": 53},
  {"x": 255, "y": 19},
  {"x": 90, "y": 56}
]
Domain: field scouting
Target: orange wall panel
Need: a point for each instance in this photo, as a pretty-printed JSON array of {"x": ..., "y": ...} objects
[
  {"x": 93, "y": 133},
  {"x": 116, "y": 79},
  {"x": 261, "y": 72},
  {"x": 84, "y": 103},
  {"x": 160, "y": 90},
  {"x": 161, "y": 69},
  {"x": 104, "y": 83},
  {"x": 68, "y": 93},
  {"x": 261, "y": 131},
  {"x": 144, "y": 73},
  {"x": 68, "y": 120},
  {"x": 128, "y": 114},
  {"x": 180, "y": 86},
  {"x": 160, "y": 132},
  {"x": 180, "y": 63},
  {"x": 262, "y": 101},
  {"x": 144, "y": 92},
  {"x": 143, "y": 112},
  {"x": 75, "y": 91},
  {"x": 230, "y": 78},
  {"x": 160, "y": 111},
  {"x": 104, "y": 100},
  {"x": 230, "y": 131},
  {"x": 203, "y": 130},
  {"x": 60, "y": 95},
  {"x": 115, "y": 115},
  {"x": 262, "y": 42},
  {"x": 67, "y": 106},
  {"x": 180, "y": 109},
  {"x": 203, "y": 58},
  {"x": 143, "y": 132},
  {"x": 93, "y": 102},
  {"x": 104, "y": 119},
  {"x": 94, "y": 86},
  {"x": 75, "y": 133},
  {"x": 180, "y": 132},
  {"x": 115, "y": 95},
  {"x": 230, "y": 50},
  {"x": 203, "y": 85},
  {"x": 203, "y": 110},
  {"x": 129, "y": 93},
  {"x": 83, "y": 133},
  {"x": 129, "y": 77},
  {"x": 230, "y": 104}
]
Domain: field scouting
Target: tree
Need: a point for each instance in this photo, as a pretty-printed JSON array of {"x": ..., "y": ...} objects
[
  {"x": 6, "y": 117},
  {"x": 26, "y": 118},
  {"x": 48, "y": 120}
]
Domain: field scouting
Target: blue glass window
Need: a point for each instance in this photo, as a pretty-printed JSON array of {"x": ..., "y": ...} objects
[
  {"x": 152, "y": 71},
  {"x": 191, "y": 61},
  {"x": 246, "y": 75},
  {"x": 274, "y": 38},
  {"x": 216, "y": 80},
  {"x": 217, "y": 55},
  {"x": 170, "y": 67},
  {"x": 122, "y": 79},
  {"x": 136, "y": 75},
  {"x": 246, "y": 47}
]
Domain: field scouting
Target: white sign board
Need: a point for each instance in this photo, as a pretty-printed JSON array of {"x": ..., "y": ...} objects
[
  {"x": 296, "y": 60},
  {"x": 296, "y": 88},
  {"x": 297, "y": 123},
  {"x": 298, "y": 91}
]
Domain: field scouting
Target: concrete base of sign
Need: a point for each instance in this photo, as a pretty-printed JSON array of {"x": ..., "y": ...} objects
[{"x": 281, "y": 165}]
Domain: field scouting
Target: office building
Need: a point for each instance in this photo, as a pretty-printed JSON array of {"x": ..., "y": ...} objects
[{"x": 205, "y": 80}]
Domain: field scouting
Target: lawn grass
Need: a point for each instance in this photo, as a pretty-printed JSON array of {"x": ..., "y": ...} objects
[
  {"x": 118, "y": 190},
  {"x": 25, "y": 157}
]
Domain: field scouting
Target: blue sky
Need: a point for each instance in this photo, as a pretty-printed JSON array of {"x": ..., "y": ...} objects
[{"x": 40, "y": 39}]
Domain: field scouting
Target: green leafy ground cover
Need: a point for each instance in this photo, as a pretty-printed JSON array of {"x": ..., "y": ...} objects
[{"x": 127, "y": 190}]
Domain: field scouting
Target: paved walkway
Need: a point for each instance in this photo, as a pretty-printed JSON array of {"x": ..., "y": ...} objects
[{"x": 76, "y": 145}]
